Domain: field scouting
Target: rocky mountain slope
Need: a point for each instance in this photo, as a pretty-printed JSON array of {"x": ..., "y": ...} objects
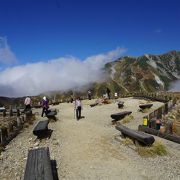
[{"x": 145, "y": 73}]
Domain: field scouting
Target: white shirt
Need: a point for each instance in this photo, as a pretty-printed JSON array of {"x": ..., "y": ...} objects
[
  {"x": 78, "y": 103},
  {"x": 27, "y": 101}
]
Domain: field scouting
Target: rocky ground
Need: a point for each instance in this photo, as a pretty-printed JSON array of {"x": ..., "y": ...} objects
[{"x": 91, "y": 148}]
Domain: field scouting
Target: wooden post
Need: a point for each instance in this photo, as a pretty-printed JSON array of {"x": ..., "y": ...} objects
[
  {"x": 18, "y": 122},
  {"x": 10, "y": 111},
  {"x": 0, "y": 136},
  {"x": 4, "y": 113},
  {"x": 10, "y": 127},
  {"x": 18, "y": 113},
  {"x": 166, "y": 108},
  {"x": 4, "y": 135}
]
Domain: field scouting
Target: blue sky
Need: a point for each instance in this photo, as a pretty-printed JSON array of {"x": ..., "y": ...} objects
[
  {"x": 45, "y": 29},
  {"x": 80, "y": 35}
]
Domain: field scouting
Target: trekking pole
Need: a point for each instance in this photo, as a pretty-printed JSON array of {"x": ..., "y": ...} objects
[{"x": 74, "y": 109}]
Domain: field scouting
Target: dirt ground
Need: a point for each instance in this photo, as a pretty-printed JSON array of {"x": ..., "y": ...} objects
[{"x": 91, "y": 148}]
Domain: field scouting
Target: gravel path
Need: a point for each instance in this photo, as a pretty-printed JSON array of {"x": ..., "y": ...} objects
[{"x": 90, "y": 148}]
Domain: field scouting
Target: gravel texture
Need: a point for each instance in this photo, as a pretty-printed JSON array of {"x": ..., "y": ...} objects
[{"x": 91, "y": 148}]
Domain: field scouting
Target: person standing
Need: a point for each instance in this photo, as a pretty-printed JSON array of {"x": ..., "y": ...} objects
[
  {"x": 116, "y": 95},
  {"x": 89, "y": 94},
  {"x": 27, "y": 103},
  {"x": 108, "y": 93},
  {"x": 45, "y": 106},
  {"x": 78, "y": 108}
]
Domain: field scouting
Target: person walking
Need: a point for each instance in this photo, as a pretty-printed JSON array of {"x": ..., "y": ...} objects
[
  {"x": 45, "y": 106},
  {"x": 78, "y": 108},
  {"x": 27, "y": 103}
]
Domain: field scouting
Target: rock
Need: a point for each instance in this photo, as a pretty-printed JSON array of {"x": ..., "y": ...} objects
[
  {"x": 56, "y": 143},
  {"x": 36, "y": 144}
]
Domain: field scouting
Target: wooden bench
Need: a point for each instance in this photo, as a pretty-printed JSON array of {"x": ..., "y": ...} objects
[
  {"x": 137, "y": 136},
  {"x": 121, "y": 115},
  {"x": 38, "y": 165},
  {"x": 94, "y": 104},
  {"x": 120, "y": 104},
  {"x": 168, "y": 136},
  {"x": 145, "y": 106},
  {"x": 51, "y": 114},
  {"x": 41, "y": 129}
]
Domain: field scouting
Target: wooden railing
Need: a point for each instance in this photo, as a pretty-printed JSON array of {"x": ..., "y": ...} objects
[{"x": 11, "y": 123}]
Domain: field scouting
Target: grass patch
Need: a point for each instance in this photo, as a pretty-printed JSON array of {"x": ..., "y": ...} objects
[
  {"x": 127, "y": 141},
  {"x": 127, "y": 119},
  {"x": 157, "y": 149},
  {"x": 145, "y": 110}
]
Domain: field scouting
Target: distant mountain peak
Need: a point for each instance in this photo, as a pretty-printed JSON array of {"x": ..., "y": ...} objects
[{"x": 146, "y": 73}]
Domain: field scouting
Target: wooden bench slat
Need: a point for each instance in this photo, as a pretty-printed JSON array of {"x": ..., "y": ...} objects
[
  {"x": 144, "y": 106},
  {"x": 121, "y": 115},
  {"x": 52, "y": 113},
  {"x": 133, "y": 134},
  {"x": 41, "y": 128},
  {"x": 38, "y": 165},
  {"x": 155, "y": 132}
]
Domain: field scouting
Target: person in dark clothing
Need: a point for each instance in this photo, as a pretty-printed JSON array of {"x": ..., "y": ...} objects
[
  {"x": 108, "y": 93},
  {"x": 78, "y": 108},
  {"x": 45, "y": 106},
  {"x": 89, "y": 94},
  {"x": 71, "y": 100}
]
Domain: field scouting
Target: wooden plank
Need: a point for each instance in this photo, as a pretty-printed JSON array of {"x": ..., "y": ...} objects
[
  {"x": 38, "y": 165},
  {"x": 121, "y": 115},
  {"x": 94, "y": 104},
  {"x": 155, "y": 132},
  {"x": 136, "y": 135},
  {"x": 144, "y": 106},
  {"x": 41, "y": 129},
  {"x": 51, "y": 113},
  {"x": 120, "y": 104}
]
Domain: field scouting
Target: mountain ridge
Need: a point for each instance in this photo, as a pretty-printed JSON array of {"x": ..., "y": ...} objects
[{"x": 144, "y": 73}]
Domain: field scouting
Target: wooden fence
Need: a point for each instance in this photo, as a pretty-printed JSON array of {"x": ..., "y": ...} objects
[
  {"x": 11, "y": 123},
  {"x": 169, "y": 99}
]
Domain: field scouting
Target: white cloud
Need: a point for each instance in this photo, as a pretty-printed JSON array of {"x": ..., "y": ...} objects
[
  {"x": 59, "y": 74},
  {"x": 175, "y": 86},
  {"x": 6, "y": 55}
]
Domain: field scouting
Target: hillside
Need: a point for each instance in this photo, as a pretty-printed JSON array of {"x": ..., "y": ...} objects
[{"x": 145, "y": 73}]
